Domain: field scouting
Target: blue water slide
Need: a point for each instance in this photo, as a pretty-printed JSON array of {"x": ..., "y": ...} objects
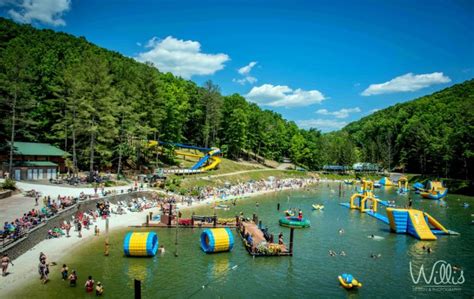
[
  {"x": 200, "y": 162},
  {"x": 202, "y": 149}
]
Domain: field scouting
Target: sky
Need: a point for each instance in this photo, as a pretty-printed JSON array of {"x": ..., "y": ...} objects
[{"x": 322, "y": 64}]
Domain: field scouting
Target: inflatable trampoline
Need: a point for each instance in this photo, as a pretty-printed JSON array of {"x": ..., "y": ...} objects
[
  {"x": 217, "y": 240},
  {"x": 294, "y": 222},
  {"x": 140, "y": 244}
]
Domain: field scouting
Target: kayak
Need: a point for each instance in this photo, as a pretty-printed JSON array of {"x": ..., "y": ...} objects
[
  {"x": 294, "y": 222},
  {"x": 348, "y": 281}
]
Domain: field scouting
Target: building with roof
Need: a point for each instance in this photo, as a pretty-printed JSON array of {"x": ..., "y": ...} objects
[{"x": 34, "y": 161}]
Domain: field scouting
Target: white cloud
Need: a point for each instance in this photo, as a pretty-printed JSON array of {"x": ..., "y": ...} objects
[
  {"x": 45, "y": 11},
  {"x": 245, "y": 70},
  {"x": 407, "y": 82},
  {"x": 182, "y": 58},
  {"x": 283, "y": 96},
  {"x": 374, "y": 110},
  {"x": 247, "y": 79},
  {"x": 138, "y": 44},
  {"x": 324, "y": 125},
  {"x": 342, "y": 113}
]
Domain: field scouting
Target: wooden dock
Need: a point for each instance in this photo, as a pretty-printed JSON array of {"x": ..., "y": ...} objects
[{"x": 257, "y": 244}]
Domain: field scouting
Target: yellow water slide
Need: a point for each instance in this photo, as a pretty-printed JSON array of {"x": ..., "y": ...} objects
[
  {"x": 436, "y": 224},
  {"x": 421, "y": 229}
]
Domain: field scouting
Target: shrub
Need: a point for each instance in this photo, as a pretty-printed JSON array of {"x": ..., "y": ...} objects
[{"x": 9, "y": 184}]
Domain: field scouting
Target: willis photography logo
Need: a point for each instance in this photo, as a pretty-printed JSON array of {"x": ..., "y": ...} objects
[{"x": 442, "y": 277}]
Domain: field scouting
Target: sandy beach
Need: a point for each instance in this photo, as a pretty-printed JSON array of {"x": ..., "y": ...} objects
[{"x": 25, "y": 266}]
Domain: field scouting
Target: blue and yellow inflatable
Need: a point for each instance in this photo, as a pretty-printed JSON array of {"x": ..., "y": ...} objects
[
  {"x": 140, "y": 244},
  {"x": 217, "y": 240}
]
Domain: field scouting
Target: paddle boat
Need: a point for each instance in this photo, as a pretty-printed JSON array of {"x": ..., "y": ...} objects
[
  {"x": 294, "y": 222},
  {"x": 377, "y": 185},
  {"x": 317, "y": 207},
  {"x": 349, "y": 182},
  {"x": 348, "y": 281}
]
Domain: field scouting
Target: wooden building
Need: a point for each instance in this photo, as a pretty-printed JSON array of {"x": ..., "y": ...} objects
[{"x": 34, "y": 161}]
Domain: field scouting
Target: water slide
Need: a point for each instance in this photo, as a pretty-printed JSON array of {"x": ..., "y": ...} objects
[
  {"x": 418, "y": 226},
  {"x": 436, "y": 224},
  {"x": 211, "y": 154}
]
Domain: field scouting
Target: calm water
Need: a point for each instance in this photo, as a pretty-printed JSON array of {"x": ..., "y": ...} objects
[{"x": 310, "y": 273}]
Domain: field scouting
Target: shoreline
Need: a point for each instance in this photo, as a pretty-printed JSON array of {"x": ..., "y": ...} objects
[{"x": 25, "y": 266}]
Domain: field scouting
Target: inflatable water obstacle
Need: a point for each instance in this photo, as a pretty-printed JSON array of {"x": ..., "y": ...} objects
[
  {"x": 385, "y": 181},
  {"x": 217, "y": 240},
  {"x": 294, "y": 222},
  {"x": 410, "y": 221},
  {"x": 432, "y": 190},
  {"x": 403, "y": 185},
  {"x": 140, "y": 244},
  {"x": 348, "y": 281},
  {"x": 417, "y": 223}
]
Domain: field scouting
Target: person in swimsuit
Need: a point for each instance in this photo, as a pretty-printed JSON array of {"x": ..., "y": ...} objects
[
  {"x": 43, "y": 271},
  {"x": 89, "y": 285},
  {"x": 5, "y": 261},
  {"x": 73, "y": 279},
  {"x": 99, "y": 289},
  {"x": 64, "y": 271}
]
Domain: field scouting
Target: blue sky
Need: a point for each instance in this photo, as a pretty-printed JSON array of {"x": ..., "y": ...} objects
[{"x": 322, "y": 64}]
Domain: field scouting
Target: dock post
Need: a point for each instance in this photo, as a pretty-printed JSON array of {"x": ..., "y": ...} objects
[
  {"x": 278, "y": 206},
  {"x": 169, "y": 214},
  {"x": 138, "y": 289},
  {"x": 292, "y": 231}
]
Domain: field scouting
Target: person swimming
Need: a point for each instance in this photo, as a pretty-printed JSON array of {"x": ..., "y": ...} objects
[
  {"x": 73, "y": 279},
  {"x": 89, "y": 285},
  {"x": 99, "y": 289}
]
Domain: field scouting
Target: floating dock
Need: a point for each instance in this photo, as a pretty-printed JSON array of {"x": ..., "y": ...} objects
[{"x": 258, "y": 243}]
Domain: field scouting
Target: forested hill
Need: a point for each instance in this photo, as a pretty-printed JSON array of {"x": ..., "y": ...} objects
[
  {"x": 102, "y": 107},
  {"x": 433, "y": 134}
]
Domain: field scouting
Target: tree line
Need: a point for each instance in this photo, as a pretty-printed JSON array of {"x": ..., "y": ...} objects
[{"x": 103, "y": 108}]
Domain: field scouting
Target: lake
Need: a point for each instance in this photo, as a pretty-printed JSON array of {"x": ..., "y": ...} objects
[{"x": 310, "y": 273}]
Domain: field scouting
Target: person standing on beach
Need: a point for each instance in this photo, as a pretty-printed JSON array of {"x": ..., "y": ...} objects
[
  {"x": 79, "y": 228},
  {"x": 43, "y": 270},
  {"x": 68, "y": 228},
  {"x": 5, "y": 261},
  {"x": 410, "y": 202},
  {"x": 89, "y": 285}
]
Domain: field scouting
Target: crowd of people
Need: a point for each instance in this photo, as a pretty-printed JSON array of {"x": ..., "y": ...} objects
[{"x": 32, "y": 218}]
